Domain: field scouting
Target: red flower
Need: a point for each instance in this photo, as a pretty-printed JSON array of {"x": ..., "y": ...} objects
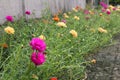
[{"x": 53, "y": 78}]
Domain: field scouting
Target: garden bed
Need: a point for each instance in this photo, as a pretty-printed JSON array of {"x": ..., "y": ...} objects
[{"x": 68, "y": 37}]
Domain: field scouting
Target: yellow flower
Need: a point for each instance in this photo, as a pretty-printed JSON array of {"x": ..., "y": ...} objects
[
  {"x": 93, "y": 61},
  {"x": 76, "y": 18},
  {"x": 65, "y": 15},
  {"x": 34, "y": 76},
  {"x": 102, "y": 30},
  {"x": 75, "y": 10},
  {"x": 111, "y": 7},
  {"x": 9, "y": 30},
  {"x": 61, "y": 24},
  {"x": 74, "y": 33},
  {"x": 42, "y": 37},
  {"x": 100, "y": 14}
]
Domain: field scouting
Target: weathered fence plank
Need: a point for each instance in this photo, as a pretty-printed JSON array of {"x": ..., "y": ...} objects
[
  {"x": 10, "y": 7},
  {"x": 17, "y": 8}
]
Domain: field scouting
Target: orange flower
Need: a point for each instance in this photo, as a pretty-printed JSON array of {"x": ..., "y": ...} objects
[
  {"x": 53, "y": 78},
  {"x": 77, "y": 7},
  {"x": 4, "y": 45},
  {"x": 93, "y": 61},
  {"x": 56, "y": 18}
]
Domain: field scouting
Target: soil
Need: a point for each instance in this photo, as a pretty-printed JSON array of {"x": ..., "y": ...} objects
[{"x": 107, "y": 66}]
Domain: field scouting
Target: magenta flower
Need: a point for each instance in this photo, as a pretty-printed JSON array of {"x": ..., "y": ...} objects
[
  {"x": 38, "y": 58},
  {"x": 38, "y": 44},
  {"x": 103, "y": 5},
  {"x": 108, "y": 12},
  {"x": 27, "y": 12},
  {"x": 9, "y": 18}
]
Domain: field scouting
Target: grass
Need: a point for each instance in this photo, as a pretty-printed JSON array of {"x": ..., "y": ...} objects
[{"x": 65, "y": 54}]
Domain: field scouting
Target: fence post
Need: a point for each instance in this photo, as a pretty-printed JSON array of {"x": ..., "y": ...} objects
[{"x": 23, "y": 8}]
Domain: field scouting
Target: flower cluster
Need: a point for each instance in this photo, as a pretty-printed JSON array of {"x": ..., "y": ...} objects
[
  {"x": 39, "y": 46},
  {"x": 105, "y": 8}
]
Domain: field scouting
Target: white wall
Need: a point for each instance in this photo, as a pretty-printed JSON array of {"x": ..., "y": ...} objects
[{"x": 17, "y": 8}]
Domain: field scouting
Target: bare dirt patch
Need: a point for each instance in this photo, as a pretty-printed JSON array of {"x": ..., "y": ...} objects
[{"x": 107, "y": 66}]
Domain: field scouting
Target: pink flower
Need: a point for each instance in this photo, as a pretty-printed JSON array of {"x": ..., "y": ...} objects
[
  {"x": 86, "y": 12},
  {"x": 114, "y": 9},
  {"x": 108, "y": 12},
  {"x": 9, "y": 18},
  {"x": 63, "y": 21},
  {"x": 38, "y": 58},
  {"x": 103, "y": 10},
  {"x": 38, "y": 44},
  {"x": 27, "y": 12}
]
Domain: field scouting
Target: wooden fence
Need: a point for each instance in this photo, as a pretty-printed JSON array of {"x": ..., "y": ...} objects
[{"x": 17, "y": 8}]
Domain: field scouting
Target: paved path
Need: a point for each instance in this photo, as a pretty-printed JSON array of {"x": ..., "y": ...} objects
[{"x": 108, "y": 63}]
